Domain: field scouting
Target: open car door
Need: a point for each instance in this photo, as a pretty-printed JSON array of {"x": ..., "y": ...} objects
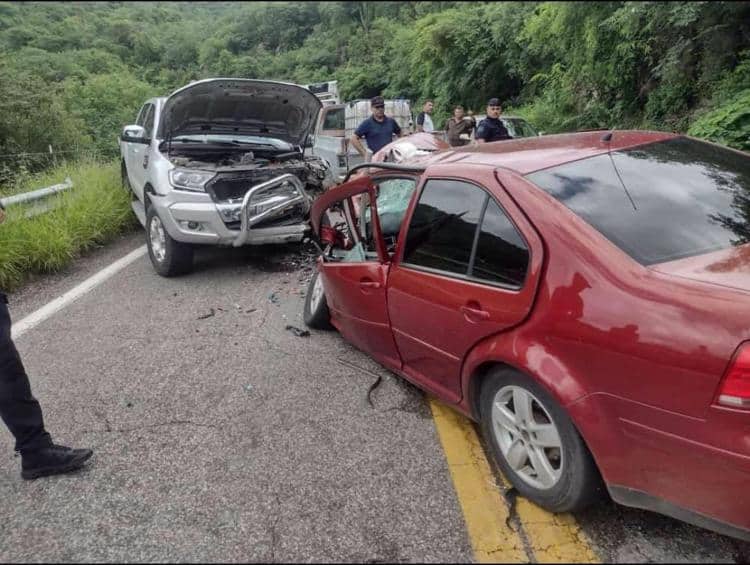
[{"x": 354, "y": 267}]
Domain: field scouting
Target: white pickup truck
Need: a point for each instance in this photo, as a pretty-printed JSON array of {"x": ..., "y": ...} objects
[
  {"x": 337, "y": 123},
  {"x": 222, "y": 161}
]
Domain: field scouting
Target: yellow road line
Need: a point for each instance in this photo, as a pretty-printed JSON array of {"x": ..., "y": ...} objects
[
  {"x": 553, "y": 538},
  {"x": 484, "y": 508}
]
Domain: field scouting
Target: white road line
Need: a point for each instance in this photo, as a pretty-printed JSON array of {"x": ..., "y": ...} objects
[{"x": 36, "y": 318}]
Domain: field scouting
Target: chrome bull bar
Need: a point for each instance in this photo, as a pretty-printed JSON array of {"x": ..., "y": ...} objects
[{"x": 247, "y": 222}]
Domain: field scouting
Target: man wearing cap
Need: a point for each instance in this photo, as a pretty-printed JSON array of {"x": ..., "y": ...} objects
[
  {"x": 491, "y": 128},
  {"x": 22, "y": 414},
  {"x": 377, "y": 130}
]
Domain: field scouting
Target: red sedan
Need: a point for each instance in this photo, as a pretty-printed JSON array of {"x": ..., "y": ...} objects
[{"x": 584, "y": 297}]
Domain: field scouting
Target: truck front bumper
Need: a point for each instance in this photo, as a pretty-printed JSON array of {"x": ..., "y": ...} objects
[{"x": 195, "y": 218}]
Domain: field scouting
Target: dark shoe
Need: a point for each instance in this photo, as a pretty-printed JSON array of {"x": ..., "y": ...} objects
[{"x": 52, "y": 460}]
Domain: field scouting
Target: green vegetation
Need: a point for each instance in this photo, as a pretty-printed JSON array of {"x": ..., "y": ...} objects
[
  {"x": 74, "y": 73},
  {"x": 92, "y": 213}
]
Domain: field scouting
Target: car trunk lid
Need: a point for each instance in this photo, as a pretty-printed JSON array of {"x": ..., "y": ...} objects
[{"x": 726, "y": 267}]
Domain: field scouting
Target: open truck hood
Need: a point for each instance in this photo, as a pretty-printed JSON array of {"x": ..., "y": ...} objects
[{"x": 236, "y": 106}]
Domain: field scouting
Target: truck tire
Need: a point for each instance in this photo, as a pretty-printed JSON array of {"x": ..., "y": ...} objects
[{"x": 170, "y": 258}]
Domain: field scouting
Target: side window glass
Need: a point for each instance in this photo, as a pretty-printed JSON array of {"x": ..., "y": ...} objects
[
  {"x": 343, "y": 232},
  {"x": 148, "y": 123},
  {"x": 502, "y": 256},
  {"x": 142, "y": 114},
  {"x": 334, "y": 119},
  {"x": 444, "y": 224}
]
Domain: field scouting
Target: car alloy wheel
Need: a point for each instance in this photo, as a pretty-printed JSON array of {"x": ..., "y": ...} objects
[
  {"x": 317, "y": 294},
  {"x": 528, "y": 437},
  {"x": 157, "y": 239}
]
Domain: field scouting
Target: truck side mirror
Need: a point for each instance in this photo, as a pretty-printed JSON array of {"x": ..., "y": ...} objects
[
  {"x": 309, "y": 141},
  {"x": 134, "y": 134}
]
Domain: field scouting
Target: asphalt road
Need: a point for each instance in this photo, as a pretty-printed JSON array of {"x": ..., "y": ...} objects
[{"x": 220, "y": 435}]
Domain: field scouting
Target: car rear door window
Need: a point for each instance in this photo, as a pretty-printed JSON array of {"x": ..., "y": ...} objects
[
  {"x": 444, "y": 224},
  {"x": 502, "y": 255}
]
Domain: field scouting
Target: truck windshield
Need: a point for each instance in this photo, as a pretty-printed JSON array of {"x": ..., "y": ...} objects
[{"x": 659, "y": 202}]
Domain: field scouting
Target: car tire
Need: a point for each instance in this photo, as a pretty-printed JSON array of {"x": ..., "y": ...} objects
[
  {"x": 170, "y": 258},
  {"x": 317, "y": 315},
  {"x": 569, "y": 479}
]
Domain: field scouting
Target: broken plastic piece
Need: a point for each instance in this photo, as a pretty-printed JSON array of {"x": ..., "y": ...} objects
[{"x": 298, "y": 332}]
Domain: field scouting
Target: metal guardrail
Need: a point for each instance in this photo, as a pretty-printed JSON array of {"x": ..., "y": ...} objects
[{"x": 36, "y": 196}]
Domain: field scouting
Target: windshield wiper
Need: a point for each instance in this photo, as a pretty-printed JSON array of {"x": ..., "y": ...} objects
[{"x": 233, "y": 142}]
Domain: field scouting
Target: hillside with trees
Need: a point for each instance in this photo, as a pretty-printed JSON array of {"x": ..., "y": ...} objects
[{"x": 74, "y": 73}]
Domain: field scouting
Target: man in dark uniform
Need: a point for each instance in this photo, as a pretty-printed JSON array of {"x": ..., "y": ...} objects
[
  {"x": 22, "y": 414},
  {"x": 491, "y": 128},
  {"x": 377, "y": 130}
]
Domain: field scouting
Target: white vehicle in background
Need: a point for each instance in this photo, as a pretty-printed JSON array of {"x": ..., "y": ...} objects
[
  {"x": 327, "y": 92},
  {"x": 222, "y": 161},
  {"x": 337, "y": 123}
]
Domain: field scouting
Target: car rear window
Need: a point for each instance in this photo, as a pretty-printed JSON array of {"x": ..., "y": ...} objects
[{"x": 662, "y": 201}]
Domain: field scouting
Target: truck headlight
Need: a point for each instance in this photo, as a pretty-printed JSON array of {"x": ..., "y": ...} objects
[{"x": 190, "y": 179}]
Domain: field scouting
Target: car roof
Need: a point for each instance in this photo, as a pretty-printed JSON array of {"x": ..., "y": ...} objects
[{"x": 529, "y": 154}]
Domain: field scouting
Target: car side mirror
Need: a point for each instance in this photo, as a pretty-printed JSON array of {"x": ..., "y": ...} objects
[
  {"x": 134, "y": 134},
  {"x": 309, "y": 141}
]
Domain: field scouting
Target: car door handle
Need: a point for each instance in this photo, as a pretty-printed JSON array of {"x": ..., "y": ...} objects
[
  {"x": 474, "y": 313},
  {"x": 367, "y": 283}
]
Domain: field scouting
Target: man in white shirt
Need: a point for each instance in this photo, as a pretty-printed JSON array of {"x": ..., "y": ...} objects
[{"x": 424, "y": 121}]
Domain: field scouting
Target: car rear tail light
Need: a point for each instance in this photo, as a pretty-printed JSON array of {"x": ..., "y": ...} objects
[{"x": 735, "y": 388}]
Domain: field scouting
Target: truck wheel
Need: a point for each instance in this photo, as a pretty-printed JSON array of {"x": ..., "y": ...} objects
[
  {"x": 536, "y": 444},
  {"x": 169, "y": 257},
  {"x": 316, "y": 313}
]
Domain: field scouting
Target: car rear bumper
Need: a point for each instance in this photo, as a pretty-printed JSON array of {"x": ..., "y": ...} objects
[
  {"x": 694, "y": 469},
  {"x": 195, "y": 218},
  {"x": 638, "y": 499}
]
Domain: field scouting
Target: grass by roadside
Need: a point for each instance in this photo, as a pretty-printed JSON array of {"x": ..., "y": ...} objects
[{"x": 93, "y": 212}]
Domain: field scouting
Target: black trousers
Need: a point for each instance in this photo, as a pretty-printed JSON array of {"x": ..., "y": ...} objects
[{"x": 18, "y": 408}]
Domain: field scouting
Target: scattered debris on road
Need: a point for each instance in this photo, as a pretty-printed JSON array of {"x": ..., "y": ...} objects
[
  {"x": 298, "y": 332},
  {"x": 373, "y": 386},
  {"x": 204, "y": 316}
]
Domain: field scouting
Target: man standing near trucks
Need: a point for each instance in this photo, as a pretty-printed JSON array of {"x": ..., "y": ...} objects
[
  {"x": 424, "y": 118},
  {"x": 458, "y": 128},
  {"x": 377, "y": 130}
]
